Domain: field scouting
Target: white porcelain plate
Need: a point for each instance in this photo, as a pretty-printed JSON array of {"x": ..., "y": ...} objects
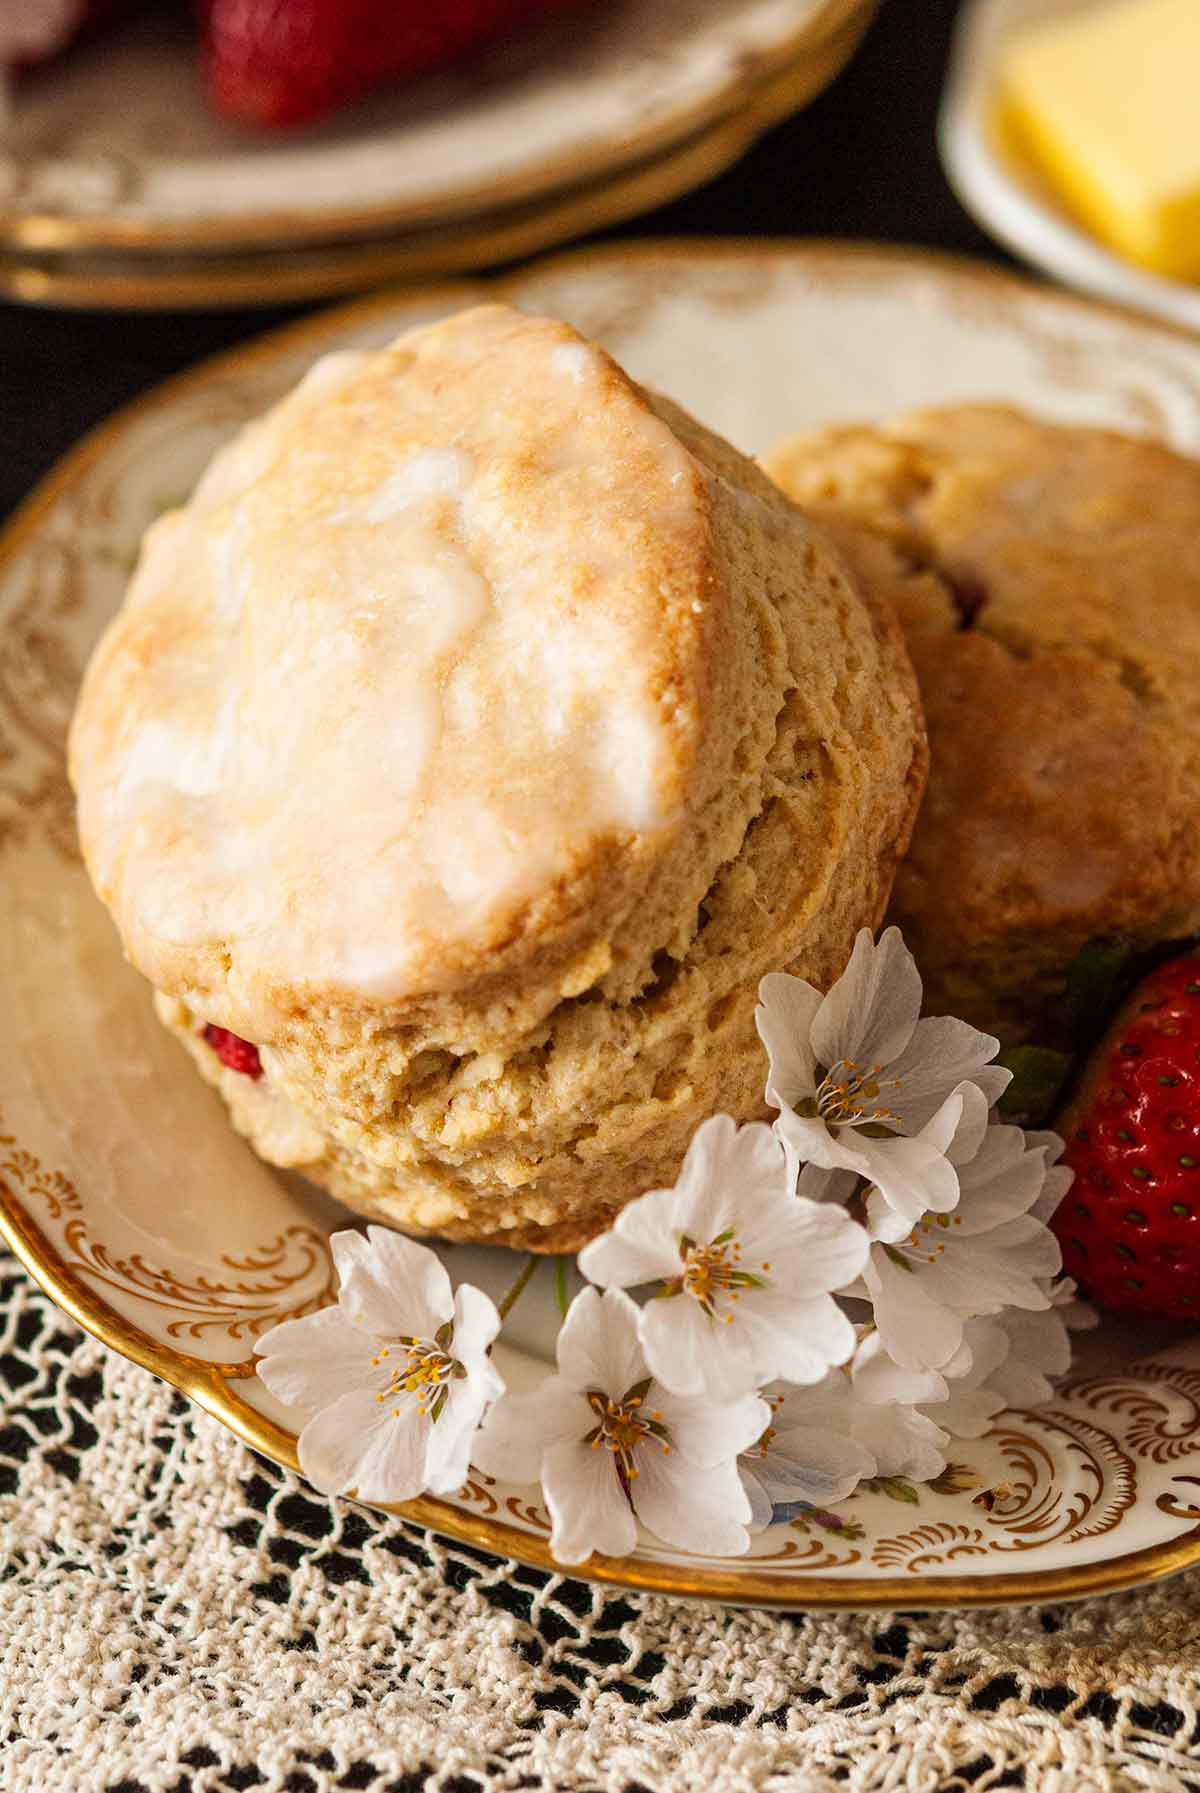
[
  {"x": 1007, "y": 194},
  {"x": 115, "y": 146},
  {"x": 134, "y": 1204}
]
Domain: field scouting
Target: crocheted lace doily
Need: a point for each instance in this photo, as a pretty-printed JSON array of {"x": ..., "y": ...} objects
[{"x": 180, "y": 1615}]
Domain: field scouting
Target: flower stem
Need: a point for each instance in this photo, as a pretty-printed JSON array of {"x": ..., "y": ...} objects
[
  {"x": 505, "y": 1307},
  {"x": 560, "y": 1285}
]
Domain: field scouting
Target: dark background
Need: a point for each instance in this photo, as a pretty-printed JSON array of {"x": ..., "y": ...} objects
[{"x": 860, "y": 162}]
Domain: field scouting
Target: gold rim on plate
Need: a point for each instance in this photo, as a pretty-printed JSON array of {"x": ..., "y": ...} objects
[
  {"x": 833, "y": 23},
  {"x": 281, "y": 277},
  {"x": 211, "y": 1386}
]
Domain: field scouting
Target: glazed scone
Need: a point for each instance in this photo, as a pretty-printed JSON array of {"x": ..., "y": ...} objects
[
  {"x": 472, "y": 742},
  {"x": 1048, "y": 581}
]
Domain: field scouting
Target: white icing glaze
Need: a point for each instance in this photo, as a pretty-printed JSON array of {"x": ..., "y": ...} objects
[
  {"x": 575, "y": 359},
  {"x": 397, "y": 689}
]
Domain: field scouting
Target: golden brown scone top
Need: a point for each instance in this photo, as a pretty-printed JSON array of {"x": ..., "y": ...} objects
[
  {"x": 1048, "y": 580},
  {"x": 414, "y": 683}
]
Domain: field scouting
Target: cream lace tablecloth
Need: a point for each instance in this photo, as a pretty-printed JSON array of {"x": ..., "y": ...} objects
[{"x": 178, "y": 1614}]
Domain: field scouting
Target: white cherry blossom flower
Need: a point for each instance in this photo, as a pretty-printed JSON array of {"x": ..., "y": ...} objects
[
  {"x": 1058, "y": 1178},
  {"x": 1012, "y": 1359},
  {"x": 1039, "y": 1346},
  {"x": 800, "y": 1457},
  {"x": 986, "y": 1254},
  {"x": 956, "y": 1131},
  {"x": 861, "y": 1421},
  {"x": 885, "y": 1402},
  {"x": 972, "y": 1400},
  {"x": 610, "y": 1445},
  {"x": 744, "y": 1268},
  {"x": 395, "y": 1377},
  {"x": 856, "y": 1075}
]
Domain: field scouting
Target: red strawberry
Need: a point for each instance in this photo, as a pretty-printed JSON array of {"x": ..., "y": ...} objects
[
  {"x": 1130, "y": 1223},
  {"x": 284, "y": 62},
  {"x": 232, "y": 1050}
]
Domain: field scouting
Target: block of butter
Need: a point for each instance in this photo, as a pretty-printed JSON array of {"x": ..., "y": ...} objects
[{"x": 1106, "y": 101}]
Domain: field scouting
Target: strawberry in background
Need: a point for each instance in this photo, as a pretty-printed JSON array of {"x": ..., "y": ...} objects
[
  {"x": 33, "y": 30},
  {"x": 287, "y": 62}
]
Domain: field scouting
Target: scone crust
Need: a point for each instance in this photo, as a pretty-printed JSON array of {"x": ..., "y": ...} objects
[
  {"x": 267, "y": 882},
  {"x": 1048, "y": 581},
  {"x": 563, "y": 1069}
]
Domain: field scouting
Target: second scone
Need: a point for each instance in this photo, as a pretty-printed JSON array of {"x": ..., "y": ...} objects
[
  {"x": 1048, "y": 581},
  {"x": 472, "y": 742}
]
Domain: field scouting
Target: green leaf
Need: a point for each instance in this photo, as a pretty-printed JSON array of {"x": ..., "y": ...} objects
[
  {"x": 1039, "y": 1076},
  {"x": 956, "y": 1478},
  {"x": 896, "y": 1488},
  {"x": 1094, "y": 986}
]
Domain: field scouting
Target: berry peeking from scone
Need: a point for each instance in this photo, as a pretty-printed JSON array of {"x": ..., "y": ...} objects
[{"x": 234, "y": 1053}]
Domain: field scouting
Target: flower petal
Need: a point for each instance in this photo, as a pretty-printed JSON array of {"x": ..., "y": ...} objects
[
  {"x": 587, "y": 1504},
  {"x": 313, "y": 1361},
  {"x": 879, "y": 1381},
  {"x": 958, "y": 1127},
  {"x": 791, "y": 1337},
  {"x": 1009, "y": 1266},
  {"x": 476, "y": 1324},
  {"x": 395, "y": 1468},
  {"x": 702, "y": 1432},
  {"x": 786, "y": 1009},
  {"x": 390, "y": 1284},
  {"x": 641, "y": 1246},
  {"x": 902, "y": 1441},
  {"x": 968, "y": 1413},
  {"x": 918, "y": 1330},
  {"x": 820, "y": 1183},
  {"x": 1055, "y": 1184},
  {"x": 358, "y": 1444},
  {"x": 814, "y": 1248},
  {"x": 762, "y": 1507},
  {"x": 598, "y": 1344},
  {"x": 941, "y": 1054},
  {"x": 809, "y": 1141},
  {"x": 993, "y": 1080},
  {"x": 823, "y": 1406},
  {"x": 883, "y": 1223},
  {"x": 1001, "y": 1181},
  {"x": 702, "y": 1510},
  {"x": 871, "y": 1011},
  {"x": 818, "y": 1466},
  {"x": 912, "y": 1176},
  {"x": 1053, "y": 1144},
  {"x": 452, "y": 1438},
  {"x": 520, "y": 1429},
  {"x": 693, "y": 1353},
  {"x": 1040, "y": 1338},
  {"x": 730, "y": 1175}
]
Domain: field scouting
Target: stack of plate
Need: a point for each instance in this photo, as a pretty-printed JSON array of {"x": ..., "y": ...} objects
[{"x": 119, "y": 188}]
